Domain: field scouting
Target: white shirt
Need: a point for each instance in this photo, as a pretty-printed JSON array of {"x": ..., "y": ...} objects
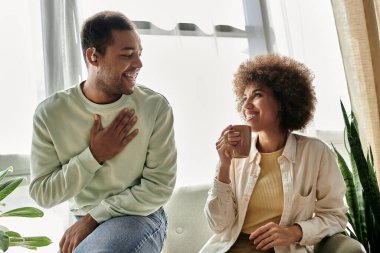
[{"x": 313, "y": 189}]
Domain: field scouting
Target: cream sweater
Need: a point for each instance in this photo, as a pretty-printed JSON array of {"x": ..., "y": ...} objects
[{"x": 137, "y": 181}]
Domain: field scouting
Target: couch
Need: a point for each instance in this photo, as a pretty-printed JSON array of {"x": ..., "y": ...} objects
[{"x": 188, "y": 230}]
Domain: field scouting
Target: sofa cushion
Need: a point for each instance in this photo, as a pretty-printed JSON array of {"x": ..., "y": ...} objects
[{"x": 188, "y": 230}]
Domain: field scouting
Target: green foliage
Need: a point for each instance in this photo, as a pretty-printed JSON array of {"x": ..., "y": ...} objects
[
  {"x": 10, "y": 238},
  {"x": 363, "y": 194}
]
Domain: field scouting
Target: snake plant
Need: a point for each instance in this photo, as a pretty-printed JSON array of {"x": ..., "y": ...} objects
[
  {"x": 362, "y": 190},
  {"x": 10, "y": 238}
]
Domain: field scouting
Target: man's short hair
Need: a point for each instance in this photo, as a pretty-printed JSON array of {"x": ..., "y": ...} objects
[{"x": 97, "y": 30}]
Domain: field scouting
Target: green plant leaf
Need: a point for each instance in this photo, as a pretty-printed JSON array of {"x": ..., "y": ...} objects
[
  {"x": 4, "y": 241},
  {"x": 3, "y": 173},
  {"x": 367, "y": 189},
  {"x": 35, "y": 241},
  {"x": 351, "y": 233},
  {"x": 366, "y": 174},
  {"x": 351, "y": 197},
  {"x": 370, "y": 157},
  {"x": 359, "y": 194},
  {"x": 29, "y": 212},
  {"x": 12, "y": 234},
  {"x": 372, "y": 171},
  {"x": 12, "y": 238},
  {"x": 9, "y": 186},
  {"x": 345, "y": 117},
  {"x": 373, "y": 230}
]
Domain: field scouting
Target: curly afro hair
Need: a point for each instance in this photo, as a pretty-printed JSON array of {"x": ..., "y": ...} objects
[{"x": 290, "y": 81}]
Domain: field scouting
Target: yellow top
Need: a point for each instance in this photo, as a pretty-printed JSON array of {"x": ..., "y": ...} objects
[{"x": 267, "y": 199}]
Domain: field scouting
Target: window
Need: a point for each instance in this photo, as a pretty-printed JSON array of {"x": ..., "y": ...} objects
[
  {"x": 22, "y": 84},
  {"x": 21, "y": 88}
]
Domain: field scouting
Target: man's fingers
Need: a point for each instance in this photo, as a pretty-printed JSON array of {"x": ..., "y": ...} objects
[
  {"x": 127, "y": 139},
  {"x": 65, "y": 246},
  {"x": 126, "y": 124},
  {"x": 115, "y": 122},
  {"x": 111, "y": 140},
  {"x": 121, "y": 119},
  {"x": 71, "y": 247},
  {"x": 132, "y": 121},
  {"x": 62, "y": 243},
  {"x": 97, "y": 124}
]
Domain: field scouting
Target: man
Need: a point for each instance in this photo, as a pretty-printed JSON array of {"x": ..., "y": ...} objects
[{"x": 107, "y": 146}]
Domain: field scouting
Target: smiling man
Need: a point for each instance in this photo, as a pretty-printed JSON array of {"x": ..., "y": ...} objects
[{"x": 107, "y": 146}]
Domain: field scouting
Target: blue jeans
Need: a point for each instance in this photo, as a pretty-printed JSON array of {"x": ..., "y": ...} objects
[{"x": 127, "y": 234}]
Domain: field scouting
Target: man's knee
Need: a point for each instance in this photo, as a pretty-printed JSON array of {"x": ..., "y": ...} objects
[
  {"x": 127, "y": 234},
  {"x": 339, "y": 244}
]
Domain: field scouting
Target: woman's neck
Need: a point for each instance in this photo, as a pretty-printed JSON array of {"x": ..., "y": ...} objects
[{"x": 270, "y": 142}]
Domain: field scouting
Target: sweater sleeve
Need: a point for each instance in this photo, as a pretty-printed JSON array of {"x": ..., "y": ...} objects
[
  {"x": 158, "y": 176},
  {"x": 51, "y": 181},
  {"x": 330, "y": 209}
]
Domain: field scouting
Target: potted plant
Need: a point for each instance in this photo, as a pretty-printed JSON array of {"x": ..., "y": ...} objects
[
  {"x": 362, "y": 190},
  {"x": 10, "y": 238}
]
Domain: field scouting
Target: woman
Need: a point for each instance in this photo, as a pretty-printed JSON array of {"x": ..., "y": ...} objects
[{"x": 288, "y": 194}]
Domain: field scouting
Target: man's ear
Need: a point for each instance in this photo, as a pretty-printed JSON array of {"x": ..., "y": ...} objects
[{"x": 91, "y": 56}]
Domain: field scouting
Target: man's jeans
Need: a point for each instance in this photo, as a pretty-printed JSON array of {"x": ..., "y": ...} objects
[{"x": 127, "y": 234}]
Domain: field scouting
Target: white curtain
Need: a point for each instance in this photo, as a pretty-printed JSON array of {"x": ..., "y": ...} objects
[
  {"x": 358, "y": 29},
  {"x": 61, "y": 43},
  {"x": 305, "y": 30}
]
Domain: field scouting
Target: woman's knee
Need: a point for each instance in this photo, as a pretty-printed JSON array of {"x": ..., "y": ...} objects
[{"x": 339, "y": 243}]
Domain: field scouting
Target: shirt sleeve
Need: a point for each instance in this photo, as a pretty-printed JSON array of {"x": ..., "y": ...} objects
[
  {"x": 158, "y": 176},
  {"x": 220, "y": 208},
  {"x": 52, "y": 182},
  {"x": 330, "y": 209}
]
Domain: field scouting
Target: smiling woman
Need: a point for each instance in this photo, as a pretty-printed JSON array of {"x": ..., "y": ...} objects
[{"x": 288, "y": 192}]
